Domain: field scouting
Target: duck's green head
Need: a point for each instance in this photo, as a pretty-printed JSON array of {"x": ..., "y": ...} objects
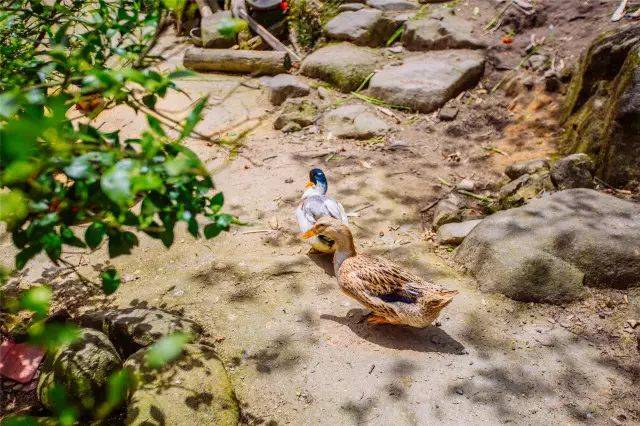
[{"x": 318, "y": 180}]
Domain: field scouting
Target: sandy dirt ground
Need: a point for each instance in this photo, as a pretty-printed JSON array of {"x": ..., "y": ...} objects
[{"x": 294, "y": 344}]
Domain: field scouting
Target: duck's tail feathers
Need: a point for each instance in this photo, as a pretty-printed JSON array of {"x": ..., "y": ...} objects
[{"x": 437, "y": 301}]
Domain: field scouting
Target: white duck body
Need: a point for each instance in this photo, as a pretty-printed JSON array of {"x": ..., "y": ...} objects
[{"x": 313, "y": 206}]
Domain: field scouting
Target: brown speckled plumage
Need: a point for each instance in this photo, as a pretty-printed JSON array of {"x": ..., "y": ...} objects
[{"x": 393, "y": 294}]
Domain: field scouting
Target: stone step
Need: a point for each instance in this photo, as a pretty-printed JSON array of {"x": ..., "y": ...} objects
[{"x": 426, "y": 81}]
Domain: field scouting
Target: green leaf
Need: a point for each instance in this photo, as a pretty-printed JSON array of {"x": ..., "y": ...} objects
[
  {"x": 217, "y": 200},
  {"x": 118, "y": 386},
  {"x": 121, "y": 243},
  {"x": 9, "y": 103},
  {"x": 52, "y": 245},
  {"x": 19, "y": 420},
  {"x": 52, "y": 336},
  {"x": 224, "y": 220},
  {"x": 174, "y": 5},
  {"x": 25, "y": 255},
  {"x": 166, "y": 349},
  {"x": 182, "y": 164},
  {"x": 194, "y": 118},
  {"x": 36, "y": 299},
  {"x": 192, "y": 227},
  {"x": 181, "y": 73},
  {"x": 69, "y": 238},
  {"x": 110, "y": 281},
  {"x": 212, "y": 230},
  {"x": 155, "y": 125},
  {"x": 229, "y": 28},
  {"x": 116, "y": 182},
  {"x": 14, "y": 207},
  {"x": 150, "y": 100},
  {"x": 94, "y": 234},
  {"x": 19, "y": 171},
  {"x": 146, "y": 182}
]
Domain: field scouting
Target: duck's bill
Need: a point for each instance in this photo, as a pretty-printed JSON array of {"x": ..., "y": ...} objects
[
  {"x": 310, "y": 185},
  {"x": 306, "y": 235}
]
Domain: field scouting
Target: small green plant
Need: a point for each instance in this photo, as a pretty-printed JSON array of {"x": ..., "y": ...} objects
[{"x": 308, "y": 17}]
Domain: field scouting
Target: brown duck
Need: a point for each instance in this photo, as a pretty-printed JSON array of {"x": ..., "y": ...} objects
[{"x": 393, "y": 294}]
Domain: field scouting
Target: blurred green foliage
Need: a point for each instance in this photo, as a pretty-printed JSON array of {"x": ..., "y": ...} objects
[
  {"x": 58, "y": 170},
  {"x": 64, "y": 182}
]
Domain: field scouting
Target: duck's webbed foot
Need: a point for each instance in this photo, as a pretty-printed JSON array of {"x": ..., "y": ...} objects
[{"x": 374, "y": 319}]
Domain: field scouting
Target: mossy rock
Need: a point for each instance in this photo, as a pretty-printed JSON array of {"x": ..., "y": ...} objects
[
  {"x": 194, "y": 389},
  {"x": 82, "y": 369},
  {"x": 523, "y": 189},
  {"x": 601, "y": 62},
  {"x": 602, "y": 108},
  {"x": 343, "y": 65},
  {"x": 302, "y": 112}
]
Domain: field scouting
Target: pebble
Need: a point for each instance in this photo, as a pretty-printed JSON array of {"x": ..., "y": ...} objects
[
  {"x": 459, "y": 391},
  {"x": 466, "y": 184}
]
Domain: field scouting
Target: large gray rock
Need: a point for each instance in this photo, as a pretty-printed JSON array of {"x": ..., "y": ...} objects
[
  {"x": 133, "y": 328},
  {"x": 454, "y": 233},
  {"x": 354, "y": 121},
  {"x": 344, "y": 65},
  {"x": 549, "y": 249},
  {"x": 573, "y": 171},
  {"x": 440, "y": 31},
  {"x": 194, "y": 389},
  {"x": 209, "y": 31},
  {"x": 366, "y": 27},
  {"x": 283, "y": 86},
  {"x": 515, "y": 170},
  {"x": 81, "y": 368},
  {"x": 427, "y": 81},
  {"x": 393, "y": 5}
]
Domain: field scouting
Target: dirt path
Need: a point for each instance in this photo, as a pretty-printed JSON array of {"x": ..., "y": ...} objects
[{"x": 296, "y": 350}]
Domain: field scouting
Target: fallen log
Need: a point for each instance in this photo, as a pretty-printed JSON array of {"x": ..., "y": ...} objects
[{"x": 256, "y": 62}]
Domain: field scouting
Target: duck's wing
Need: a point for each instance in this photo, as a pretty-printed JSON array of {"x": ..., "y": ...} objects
[
  {"x": 336, "y": 210},
  {"x": 385, "y": 280},
  {"x": 305, "y": 220}
]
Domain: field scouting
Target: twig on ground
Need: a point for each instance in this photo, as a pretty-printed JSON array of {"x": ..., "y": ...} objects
[{"x": 476, "y": 196}]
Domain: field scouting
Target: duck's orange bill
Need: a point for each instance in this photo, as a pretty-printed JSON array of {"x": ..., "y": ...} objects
[
  {"x": 310, "y": 185},
  {"x": 310, "y": 233}
]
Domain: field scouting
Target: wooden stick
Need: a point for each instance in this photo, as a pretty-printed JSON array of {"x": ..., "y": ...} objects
[{"x": 255, "y": 62}]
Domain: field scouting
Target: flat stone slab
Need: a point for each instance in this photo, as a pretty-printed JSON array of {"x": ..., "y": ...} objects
[
  {"x": 439, "y": 32},
  {"x": 354, "y": 121},
  {"x": 393, "y": 5},
  {"x": 454, "y": 233},
  {"x": 344, "y": 65},
  {"x": 427, "y": 81},
  {"x": 283, "y": 86},
  {"x": 365, "y": 27}
]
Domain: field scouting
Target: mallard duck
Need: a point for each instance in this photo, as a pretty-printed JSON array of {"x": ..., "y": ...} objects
[
  {"x": 314, "y": 205},
  {"x": 393, "y": 294}
]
